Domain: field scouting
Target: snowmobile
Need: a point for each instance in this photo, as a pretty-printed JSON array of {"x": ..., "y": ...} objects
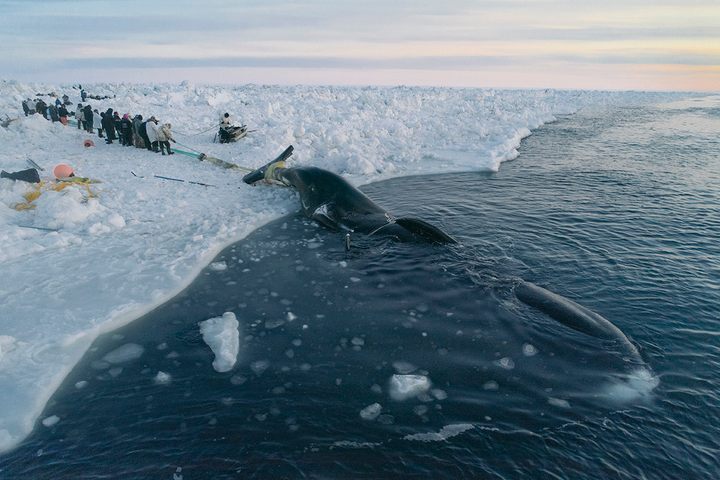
[{"x": 231, "y": 133}]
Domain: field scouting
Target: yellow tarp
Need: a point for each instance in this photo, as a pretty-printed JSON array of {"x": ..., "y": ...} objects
[{"x": 56, "y": 186}]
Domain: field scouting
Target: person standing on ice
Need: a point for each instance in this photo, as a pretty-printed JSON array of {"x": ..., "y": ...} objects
[
  {"x": 97, "y": 123},
  {"x": 164, "y": 138},
  {"x": 152, "y": 134},
  {"x": 226, "y": 120},
  {"x": 108, "y": 124},
  {"x": 138, "y": 128},
  {"x": 88, "y": 118},
  {"x": 126, "y": 127},
  {"x": 117, "y": 123},
  {"x": 53, "y": 113},
  {"x": 26, "y": 108},
  {"x": 41, "y": 108},
  {"x": 62, "y": 114},
  {"x": 79, "y": 116},
  {"x": 143, "y": 133}
]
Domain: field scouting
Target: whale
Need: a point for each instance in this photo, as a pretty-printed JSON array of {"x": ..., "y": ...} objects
[
  {"x": 333, "y": 202},
  {"x": 576, "y": 317}
]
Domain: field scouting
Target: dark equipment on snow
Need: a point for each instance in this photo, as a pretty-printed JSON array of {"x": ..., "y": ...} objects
[
  {"x": 229, "y": 133},
  {"x": 30, "y": 175}
]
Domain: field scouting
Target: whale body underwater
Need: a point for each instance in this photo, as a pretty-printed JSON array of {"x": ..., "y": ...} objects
[{"x": 334, "y": 203}]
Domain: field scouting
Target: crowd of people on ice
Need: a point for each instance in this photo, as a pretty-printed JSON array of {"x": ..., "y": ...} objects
[{"x": 127, "y": 130}]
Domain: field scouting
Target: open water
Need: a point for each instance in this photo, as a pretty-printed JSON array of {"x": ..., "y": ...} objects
[{"x": 618, "y": 210}]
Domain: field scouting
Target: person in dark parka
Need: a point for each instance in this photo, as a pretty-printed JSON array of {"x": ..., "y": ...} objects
[
  {"x": 137, "y": 124},
  {"x": 118, "y": 127},
  {"x": 53, "y": 113},
  {"x": 108, "y": 124},
  {"x": 63, "y": 114},
  {"x": 126, "y": 127},
  {"x": 41, "y": 108},
  {"x": 88, "y": 118},
  {"x": 144, "y": 135}
]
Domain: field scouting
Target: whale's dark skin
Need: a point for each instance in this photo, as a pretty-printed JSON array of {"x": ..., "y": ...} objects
[
  {"x": 575, "y": 316},
  {"x": 333, "y": 202},
  {"x": 330, "y": 200}
]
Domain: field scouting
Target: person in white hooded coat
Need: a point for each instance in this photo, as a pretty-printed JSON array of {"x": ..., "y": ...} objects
[
  {"x": 152, "y": 133},
  {"x": 97, "y": 123},
  {"x": 165, "y": 137}
]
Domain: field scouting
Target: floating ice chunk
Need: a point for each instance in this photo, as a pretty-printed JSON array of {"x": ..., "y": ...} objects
[
  {"x": 448, "y": 431},
  {"x": 222, "y": 336},
  {"x": 51, "y": 420},
  {"x": 403, "y": 367},
  {"x": 491, "y": 385},
  {"x": 386, "y": 419},
  {"x": 371, "y": 412},
  {"x": 270, "y": 324},
  {"x": 125, "y": 353},
  {"x": 420, "y": 410},
  {"x": 403, "y": 387},
  {"x": 291, "y": 316},
  {"x": 259, "y": 367},
  {"x": 529, "y": 350},
  {"x": 351, "y": 444},
  {"x": 218, "y": 266},
  {"x": 506, "y": 362},
  {"x": 81, "y": 384},
  {"x": 439, "y": 394},
  {"x": 558, "y": 402},
  {"x": 162, "y": 378}
]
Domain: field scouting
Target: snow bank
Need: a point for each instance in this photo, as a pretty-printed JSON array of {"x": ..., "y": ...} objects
[
  {"x": 222, "y": 336},
  {"x": 85, "y": 262}
]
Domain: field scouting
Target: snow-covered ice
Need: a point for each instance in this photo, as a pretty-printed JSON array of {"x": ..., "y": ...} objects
[
  {"x": 223, "y": 337},
  {"x": 82, "y": 262}
]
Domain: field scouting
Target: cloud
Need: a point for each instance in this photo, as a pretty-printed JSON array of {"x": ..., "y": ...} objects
[{"x": 416, "y": 35}]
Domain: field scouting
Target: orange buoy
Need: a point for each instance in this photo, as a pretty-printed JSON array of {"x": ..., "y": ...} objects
[{"x": 63, "y": 170}]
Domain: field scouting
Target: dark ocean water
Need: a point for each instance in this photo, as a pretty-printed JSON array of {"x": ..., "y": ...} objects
[{"x": 618, "y": 210}]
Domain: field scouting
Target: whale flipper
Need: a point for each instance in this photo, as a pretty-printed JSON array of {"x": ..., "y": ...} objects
[
  {"x": 259, "y": 173},
  {"x": 425, "y": 230}
]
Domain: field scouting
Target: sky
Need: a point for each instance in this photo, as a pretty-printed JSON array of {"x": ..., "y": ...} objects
[{"x": 565, "y": 44}]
